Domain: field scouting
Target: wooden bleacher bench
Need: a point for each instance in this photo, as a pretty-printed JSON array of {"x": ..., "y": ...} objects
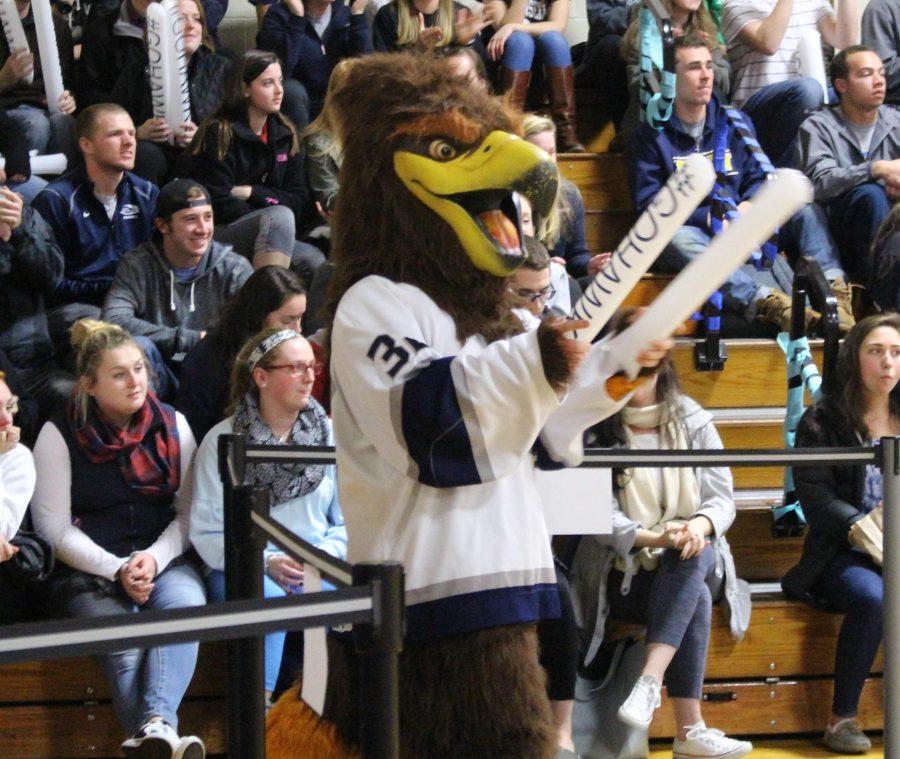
[{"x": 61, "y": 709}]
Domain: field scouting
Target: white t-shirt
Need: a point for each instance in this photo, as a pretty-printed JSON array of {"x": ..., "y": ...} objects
[
  {"x": 752, "y": 70},
  {"x": 17, "y": 478}
]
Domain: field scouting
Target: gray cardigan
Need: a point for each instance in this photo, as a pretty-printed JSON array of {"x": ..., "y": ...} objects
[
  {"x": 827, "y": 152},
  {"x": 881, "y": 30},
  {"x": 146, "y": 299},
  {"x": 596, "y": 554}
]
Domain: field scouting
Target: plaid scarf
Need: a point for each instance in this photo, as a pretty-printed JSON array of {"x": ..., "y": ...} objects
[
  {"x": 285, "y": 482},
  {"x": 148, "y": 452}
]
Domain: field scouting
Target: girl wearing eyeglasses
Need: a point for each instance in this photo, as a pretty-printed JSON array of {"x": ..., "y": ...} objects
[{"x": 271, "y": 404}]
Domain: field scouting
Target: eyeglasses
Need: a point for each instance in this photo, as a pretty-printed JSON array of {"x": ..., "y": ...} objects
[
  {"x": 537, "y": 295},
  {"x": 12, "y": 406},
  {"x": 298, "y": 368}
]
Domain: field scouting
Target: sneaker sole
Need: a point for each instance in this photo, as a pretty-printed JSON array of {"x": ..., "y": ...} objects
[
  {"x": 736, "y": 754},
  {"x": 149, "y": 749},
  {"x": 194, "y": 751},
  {"x": 626, "y": 719}
]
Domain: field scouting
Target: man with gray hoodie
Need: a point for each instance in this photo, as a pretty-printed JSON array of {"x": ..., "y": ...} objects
[{"x": 168, "y": 291}]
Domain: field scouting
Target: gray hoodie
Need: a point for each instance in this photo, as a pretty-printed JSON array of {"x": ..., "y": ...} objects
[
  {"x": 826, "y": 150},
  {"x": 596, "y": 554},
  {"x": 146, "y": 299}
]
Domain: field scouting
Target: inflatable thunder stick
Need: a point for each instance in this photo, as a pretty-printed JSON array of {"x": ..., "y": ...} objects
[
  {"x": 809, "y": 55},
  {"x": 168, "y": 73},
  {"x": 44, "y": 165},
  {"x": 46, "y": 41},
  {"x": 665, "y": 215},
  {"x": 12, "y": 28},
  {"x": 773, "y": 205}
]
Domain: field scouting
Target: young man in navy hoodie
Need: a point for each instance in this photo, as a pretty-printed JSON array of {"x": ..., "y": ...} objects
[
  {"x": 98, "y": 212},
  {"x": 700, "y": 124}
]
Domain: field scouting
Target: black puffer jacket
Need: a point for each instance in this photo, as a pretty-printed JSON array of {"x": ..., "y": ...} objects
[
  {"x": 206, "y": 80},
  {"x": 104, "y": 55},
  {"x": 830, "y": 496},
  {"x": 275, "y": 176}
]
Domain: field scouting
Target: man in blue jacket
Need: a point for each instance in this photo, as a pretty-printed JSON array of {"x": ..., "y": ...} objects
[
  {"x": 700, "y": 124},
  {"x": 98, "y": 212},
  {"x": 311, "y": 36}
]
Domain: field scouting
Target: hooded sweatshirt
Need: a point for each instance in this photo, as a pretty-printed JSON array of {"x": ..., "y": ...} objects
[{"x": 147, "y": 299}]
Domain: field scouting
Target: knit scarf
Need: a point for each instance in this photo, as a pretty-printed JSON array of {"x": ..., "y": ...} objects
[
  {"x": 148, "y": 451},
  {"x": 641, "y": 498},
  {"x": 284, "y": 482}
]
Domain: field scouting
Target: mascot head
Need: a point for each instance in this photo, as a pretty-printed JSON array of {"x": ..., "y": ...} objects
[{"x": 428, "y": 180}]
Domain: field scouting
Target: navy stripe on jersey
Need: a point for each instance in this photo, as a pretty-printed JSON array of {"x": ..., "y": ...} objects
[
  {"x": 480, "y": 610},
  {"x": 434, "y": 430}
]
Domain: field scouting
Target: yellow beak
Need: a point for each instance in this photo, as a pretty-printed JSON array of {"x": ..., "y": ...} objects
[{"x": 482, "y": 181}]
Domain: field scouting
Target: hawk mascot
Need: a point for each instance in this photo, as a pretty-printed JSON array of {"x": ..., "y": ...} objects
[{"x": 440, "y": 392}]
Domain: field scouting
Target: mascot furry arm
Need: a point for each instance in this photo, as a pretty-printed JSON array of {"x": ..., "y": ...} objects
[{"x": 439, "y": 396}]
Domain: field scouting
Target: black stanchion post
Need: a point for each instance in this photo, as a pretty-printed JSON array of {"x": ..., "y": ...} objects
[
  {"x": 890, "y": 470},
  {"x": 379, "y": 646},
  {"x": 244, "y": 545}
]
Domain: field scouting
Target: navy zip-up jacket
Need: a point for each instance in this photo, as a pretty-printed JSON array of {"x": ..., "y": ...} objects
[
  {"x": 656, "y": 155},
  {"x": 91, "y": 244},
  {"x": 305, "y": 56}
]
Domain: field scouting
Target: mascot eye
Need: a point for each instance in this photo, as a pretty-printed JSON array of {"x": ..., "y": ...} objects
[{"x": 441, "y": 150}]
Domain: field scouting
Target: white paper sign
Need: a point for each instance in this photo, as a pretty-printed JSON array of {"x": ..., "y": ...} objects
[
  {"x": 315, "y": 654},
  {"x": 576, "y": 501}
]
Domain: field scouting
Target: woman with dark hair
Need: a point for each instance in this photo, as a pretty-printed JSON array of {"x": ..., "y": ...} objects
[
  {"x": 840, "y": 503},
  {"x": 158, "y": 146},
  {"x": 113, "y": 499},
  {"x": 271, "y": 297},
  {"x": 271, "y": 404},
  {"x": 666, "y": 560},
  {"x": 247, "y": 154}
]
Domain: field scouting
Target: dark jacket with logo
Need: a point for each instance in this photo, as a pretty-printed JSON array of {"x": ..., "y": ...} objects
[
  {"x": 92, "y": 245},
  {"x": 24, "y": 93},
  {"x": 206, "y": 81},
  {"x": 275, "y": 176},
  {"x": 656, "y": 154}
]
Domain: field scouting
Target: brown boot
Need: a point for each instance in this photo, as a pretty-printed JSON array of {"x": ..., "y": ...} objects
[
  {"x": 842, "y": 294},
  {"x": 561, "y": 83},
  {"x": 515, "y": 85},
  {"x": 775, "y": 309}
]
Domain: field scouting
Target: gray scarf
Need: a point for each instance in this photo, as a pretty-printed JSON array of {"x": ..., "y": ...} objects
[{"x": 285, "y": 482}]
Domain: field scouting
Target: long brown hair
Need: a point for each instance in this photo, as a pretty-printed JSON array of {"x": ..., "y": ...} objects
[
  {"x": 849, "y": 395},
  {"x": 233, "y": 108},
  {"x": 700, "y": 22}
]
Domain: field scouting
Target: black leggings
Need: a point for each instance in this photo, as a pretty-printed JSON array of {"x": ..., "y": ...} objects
[{"x": 558, "y": 641}]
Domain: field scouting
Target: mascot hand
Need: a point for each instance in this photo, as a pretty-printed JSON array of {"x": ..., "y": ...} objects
[{"x": 561, "y": 355}]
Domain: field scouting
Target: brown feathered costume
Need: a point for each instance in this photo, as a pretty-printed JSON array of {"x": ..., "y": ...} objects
[{"x": 427, "y": 180}]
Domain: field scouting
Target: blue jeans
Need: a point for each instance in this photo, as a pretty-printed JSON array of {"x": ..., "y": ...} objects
[
  {"x": 29, "y": 188},
  {"x": 740, "y": 289},
  {"x": 148, "y": 682},
  {"x": 852, "y": 584},
  {"x": 163, "y": 379},
  {"x": 777, "y": 111},
  {"x": 215, "y": 585},
  {"x": 46, "y": 132},
  {"x": 854, "y": 219},
  {"x": 806, "y": 234},
  {"x": 520, "y": 48},
  {"x": 675, "y": 602}
]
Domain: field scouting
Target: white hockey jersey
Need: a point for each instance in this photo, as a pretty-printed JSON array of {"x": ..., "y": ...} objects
[{"x": 433, "y": 440}]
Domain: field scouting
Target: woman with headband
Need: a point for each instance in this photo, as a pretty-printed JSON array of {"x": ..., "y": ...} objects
[{"x": 271, "y": 404}]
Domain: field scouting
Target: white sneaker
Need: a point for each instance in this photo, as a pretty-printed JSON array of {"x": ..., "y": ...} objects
[
  {"x": 190, "y": 747},
  {"x": 644, "y": 699},
  {"x": 703, "y": 741},
  {"x": 155, "y": 740}
]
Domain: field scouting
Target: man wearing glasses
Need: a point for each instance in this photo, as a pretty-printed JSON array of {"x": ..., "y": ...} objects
[{"x": 539, "y": 287}]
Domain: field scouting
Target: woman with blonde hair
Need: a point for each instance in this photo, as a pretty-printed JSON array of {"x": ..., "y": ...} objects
[
  {"x": 271, "y": 404},
  {"x": 424, "y": 25},
  {"x": 113, "y": 500}
]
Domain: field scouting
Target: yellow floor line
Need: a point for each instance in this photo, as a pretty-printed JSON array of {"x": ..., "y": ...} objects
[{"x": 787, "y": 749}]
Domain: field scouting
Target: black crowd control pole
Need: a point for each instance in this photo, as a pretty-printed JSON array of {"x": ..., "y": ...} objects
[
  {"x": 379, "y": 646},
  {"x": 890, "y": 470},
  {"x": 244, "y": 545}
]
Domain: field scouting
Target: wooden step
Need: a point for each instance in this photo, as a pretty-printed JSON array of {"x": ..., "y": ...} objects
[
  {"x": 604, "y": 230},
  {"x": 758, "y": 556},
  {"x": 784, "y": 708},
  {"x": 601, "y": 179},
  {"x": 755, "y": 374},
  {"x": 78, "y": 731},
  {"x": 754, "y": 433}
]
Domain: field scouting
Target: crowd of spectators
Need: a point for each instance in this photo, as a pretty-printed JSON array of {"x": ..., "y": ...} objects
[{"x": 203, "y": 248}]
